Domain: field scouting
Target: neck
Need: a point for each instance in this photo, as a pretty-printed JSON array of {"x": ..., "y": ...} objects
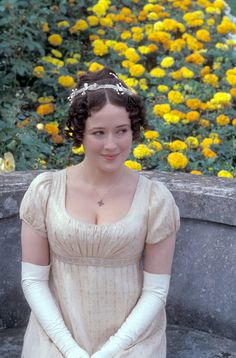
[{"x": 96, "y": 177}]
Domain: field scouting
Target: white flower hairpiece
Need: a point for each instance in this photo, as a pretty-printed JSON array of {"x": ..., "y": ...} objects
[{"x": 119, "y": 88}]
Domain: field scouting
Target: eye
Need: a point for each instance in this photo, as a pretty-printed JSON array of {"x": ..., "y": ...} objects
[
  {"x": 121, "y": 131},
  {"x": 98, "y": 133}
]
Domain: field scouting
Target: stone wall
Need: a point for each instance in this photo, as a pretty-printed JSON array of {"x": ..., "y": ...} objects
[{"x": 203, "y": 291}]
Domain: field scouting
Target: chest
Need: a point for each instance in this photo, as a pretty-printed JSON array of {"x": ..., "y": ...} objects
[{"x": 92, "y": 207}]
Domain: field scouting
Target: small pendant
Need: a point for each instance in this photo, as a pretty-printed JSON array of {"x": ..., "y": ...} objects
[{"x": 100, "y": 202}]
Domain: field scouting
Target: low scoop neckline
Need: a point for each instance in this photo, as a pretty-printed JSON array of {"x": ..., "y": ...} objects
[{"x": 84, "y": 223}]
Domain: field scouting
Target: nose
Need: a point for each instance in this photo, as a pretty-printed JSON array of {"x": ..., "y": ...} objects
[{"x": 110, "y": 142}]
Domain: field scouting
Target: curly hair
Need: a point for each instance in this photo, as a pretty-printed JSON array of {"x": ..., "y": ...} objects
[{"x": 93, "y": 101}]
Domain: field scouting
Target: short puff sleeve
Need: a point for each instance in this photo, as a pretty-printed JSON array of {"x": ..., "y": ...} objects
[
  {"x": 163, "y": 214},
  {"x": 34, "y": 203}
]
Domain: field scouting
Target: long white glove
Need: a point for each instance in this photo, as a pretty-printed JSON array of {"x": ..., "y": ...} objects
[
  {"x": 151, "y": 302},
  {"x": 38, "y": 295}
]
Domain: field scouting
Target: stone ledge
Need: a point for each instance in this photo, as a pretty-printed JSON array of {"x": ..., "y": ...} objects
[
  {"x": 182, "y": 342},
  {"x": 205, "y": 198}
]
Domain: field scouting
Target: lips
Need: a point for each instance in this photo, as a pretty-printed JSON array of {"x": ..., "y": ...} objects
[{"x": 110, "y": 157}]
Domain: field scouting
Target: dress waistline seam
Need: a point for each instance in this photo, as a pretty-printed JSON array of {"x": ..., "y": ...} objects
[{"x": 96, "y": 261}]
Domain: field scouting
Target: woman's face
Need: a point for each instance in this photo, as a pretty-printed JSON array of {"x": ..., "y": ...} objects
[{"x": 107, "y": 138}]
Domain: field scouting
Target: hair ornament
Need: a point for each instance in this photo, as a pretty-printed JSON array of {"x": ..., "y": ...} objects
[{"x": 119, "y": 88}]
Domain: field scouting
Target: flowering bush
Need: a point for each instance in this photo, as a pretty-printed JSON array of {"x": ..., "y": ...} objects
[{"x": 176, "y": 54}]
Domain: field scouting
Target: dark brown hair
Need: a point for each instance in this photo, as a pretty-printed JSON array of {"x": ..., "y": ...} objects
[{"x": 92, "y": 101}]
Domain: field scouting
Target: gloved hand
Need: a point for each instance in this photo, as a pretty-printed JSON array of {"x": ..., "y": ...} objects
[
  {"x": 38, "y": 295},
  {"x": 151, "y": 302}
]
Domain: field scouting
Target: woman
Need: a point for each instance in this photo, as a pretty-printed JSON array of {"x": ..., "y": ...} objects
[{"x": 84, "y": 231}]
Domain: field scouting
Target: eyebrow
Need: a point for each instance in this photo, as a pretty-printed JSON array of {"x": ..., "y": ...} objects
[{"x": 120, "y": 126}]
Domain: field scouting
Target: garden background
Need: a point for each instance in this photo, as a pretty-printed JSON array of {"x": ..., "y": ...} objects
[{"x": 179, "y": 56}]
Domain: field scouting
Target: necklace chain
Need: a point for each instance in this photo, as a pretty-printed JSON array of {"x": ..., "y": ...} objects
[{"x": 100, "y": 202}]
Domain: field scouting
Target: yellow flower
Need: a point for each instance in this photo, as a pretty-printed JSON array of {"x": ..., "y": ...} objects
[
  {"x": 44, "y": 109},
  {"x": 206, "y": 142},
  {"x": 136, "y": 70},
  {"x": 175, "y": 97},
  {"x": 177, "y": 145},
  {"x": 55, "y": 40},
  {"x": 106, "y": 22},
  {"x": 222, "y": 120},
  {"x": 93, "y": 20},
  {"x": 224, "y": 174},
  {"x": 204, "y": 122},
  {"x": 7, "y": 164},
  {"x": 192, "y": 142},
  {"x": 151, "y": 134},
  {"x": 222, "y": 98},
  {"x": 211, "y": 79},
  {"x": 48, "y": 99},
  {"x": 125, "y": 35},
  {"x": 162, "y": 88},
  {"x": 144, "y": 50},
  {"x": 56, "y": 53},
  {"x": 130, "y": 82},
  {"x": 100, "y": 8},
  {"x": 77, "y": 56},
  {"x": 155, "y": 145},
  {"x": 78, "y": 150},
  {"x": 80, "y": 25},
  {"x": 177, "y": 160},
  {"x": 157, "y": 72},
  {"x": 100, "y": 49},
  {"x": 208, "y": 153},
  {"x": 143, "y": 84},
  {"x": 167, "y": 62},
  {"x": 71, "y": 61},
  {"x": 152, "y": 47},
  {"x": 211, "y": 22},
  {"x": 133, "y": 165},
  {"x": 193, "y": 103},
  {"x": 193, "y": 116},
  {"x": 196, "y": 172},
  {"x": 171, "y": 117},
  {"x": 161, "y": 109},
  {"x": 231, "y": 76},
  {"x": 233, "y": 92},
  {"x": 177, "y": 45},
  {"x": 39, "y": 71},
  {"x": 203, "y": 35},
  {"x": 195, "y": 58},
  {"x": 95, "y": 66},
  {"x": 234, "y": 122},
  {"x": 132, "y": 55},
  {"x": 194, "y": 19},
  {"x": 45, "y": 27},
  {"x": 66, "y": 81},
  {"x": 221, "y": 46},
  {"x": 63, "y": 24},
  {"x": 186, "y": 72},
  {"x": 53, "y": 61},
  {"x": 142, "y": 151},
  {"x": 52, "y": 128},
  {"x": 120, "y": 48},
  {"x": 226, "y": 26}
]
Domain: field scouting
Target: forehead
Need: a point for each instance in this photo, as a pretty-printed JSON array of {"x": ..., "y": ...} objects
[{"x": 108, "y": 116}]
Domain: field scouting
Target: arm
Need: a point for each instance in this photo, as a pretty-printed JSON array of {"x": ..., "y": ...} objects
[
  {"x": 35, "y": 276},
  {"x": 157, "y": 268}
]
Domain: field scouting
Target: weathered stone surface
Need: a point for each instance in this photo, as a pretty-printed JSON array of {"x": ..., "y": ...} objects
[{"x": 203, "y": 291}]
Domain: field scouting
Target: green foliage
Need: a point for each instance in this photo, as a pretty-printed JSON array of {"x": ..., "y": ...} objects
[{"x": 36, "y": 138}]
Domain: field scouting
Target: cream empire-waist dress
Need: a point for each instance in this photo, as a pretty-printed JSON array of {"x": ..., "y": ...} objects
[{"x": 96, "y": 272}]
